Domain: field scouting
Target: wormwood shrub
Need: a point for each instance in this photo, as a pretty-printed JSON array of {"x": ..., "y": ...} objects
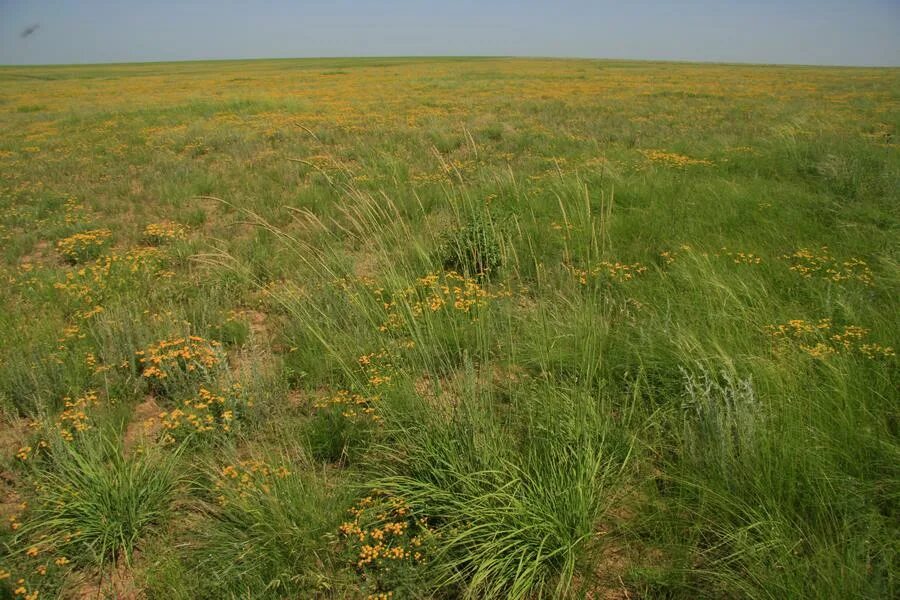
[
  {"x": 761, "y": 503},
  {"x": 94, "y": 503},
  {"x": 720, "y": 417},
  {"x": 472, "y": 248}
]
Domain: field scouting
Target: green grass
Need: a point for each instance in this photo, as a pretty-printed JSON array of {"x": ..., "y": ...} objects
[
  {"x": 268, "y": 539},
  {"x": 515, "y": 506},
  {"x": 95, "y": 504},
  {"x": 483, "y": 328}
]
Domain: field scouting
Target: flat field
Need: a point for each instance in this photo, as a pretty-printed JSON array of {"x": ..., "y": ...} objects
[{"x": 449, "y": 328}]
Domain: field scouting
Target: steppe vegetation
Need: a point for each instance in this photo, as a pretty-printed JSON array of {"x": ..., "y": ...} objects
[{"x": 449, "y": 328}]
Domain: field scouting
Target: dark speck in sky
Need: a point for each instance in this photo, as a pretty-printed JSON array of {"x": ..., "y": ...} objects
[{"x": 29, "y": 30}]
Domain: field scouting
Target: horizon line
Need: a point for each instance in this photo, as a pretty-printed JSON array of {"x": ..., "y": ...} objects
[{"x": 452, "y": 56}]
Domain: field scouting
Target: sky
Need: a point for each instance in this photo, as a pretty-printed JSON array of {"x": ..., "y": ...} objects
[{"x": 823, "y": 32}]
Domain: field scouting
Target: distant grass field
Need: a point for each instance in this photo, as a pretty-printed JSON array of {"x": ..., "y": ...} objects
[{"x": 449, "y": 328}]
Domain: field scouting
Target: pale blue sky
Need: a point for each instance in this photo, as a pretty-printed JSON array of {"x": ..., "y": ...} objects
[{"x": 861, "y": 32}]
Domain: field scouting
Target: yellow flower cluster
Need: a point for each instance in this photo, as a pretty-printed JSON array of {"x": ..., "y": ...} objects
[
  {"x": 353, "y": 406},
  {"x": 559, "y": 227},
  {"x": 672, "y": 159},
  {"x": 819, "y": 263},
  {"x": 180, "y": 357},
  {"x": 34, "y": 551},
  {"x": 89, "y": 283},
  {"x": 247, "y": 477},
  {"x": 378, "y": 368},
  {"x": 383, "y": 532},
  {"x": 83, "y": 246},
  {"x": 876, "y": 351},
  {"x": 74, "y": 418},
  {"x": 74, "y": 211},
  {"x": 21, "y": 590},
  {"x": 670, "y": 256},
  {"x": 206, "y": 413},
  {"x": 91, "y": 312},
  {"x": 90, "y": 359},
  {"x": 615, "y": 271},
  {"x": 821, "y": 339},
  {"x": 667, "y": 256},
  {"x": 70, "y": 333},
  {"x": 796, "y": 328},
  {"x": 742, "y": 258},
  {"x": 163, "y": 232},
  {"x": 436, "y": 292}
]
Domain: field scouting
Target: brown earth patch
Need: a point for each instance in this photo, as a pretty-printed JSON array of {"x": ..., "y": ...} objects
[
  {"x": 13, "y": 435},
  {"x": 446, "y": 392},
  {"x": 258, "y": 322},
  {"x": 42, "y": 253},
  {"x": 613, "y": 557},
  {"x": 611, "y": 566},
  {"x": 144, "y": 424},
  {"x": 117, "y": 582},
  {"x": 439, "y": 393},
  {"x": 10, "y": 500},
  {"x": 365, "y": 263},
  {"x": 302, "y": 399}
]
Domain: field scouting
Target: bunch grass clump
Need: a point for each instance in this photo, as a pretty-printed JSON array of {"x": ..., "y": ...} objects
[
  {"x": 95, "y": 504},
  {"x": 514, "y": 511}
]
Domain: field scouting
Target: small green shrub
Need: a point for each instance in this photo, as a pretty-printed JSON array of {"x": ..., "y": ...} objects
[
  {"x": 473, "y": 248},
  {"x": 232, "y": 332}
]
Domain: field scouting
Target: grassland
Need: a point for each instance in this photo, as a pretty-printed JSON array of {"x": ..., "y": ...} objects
[{"x": 473, "y": 328}]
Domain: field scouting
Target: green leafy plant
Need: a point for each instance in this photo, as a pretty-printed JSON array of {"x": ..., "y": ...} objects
[{"x": 473, "y": 248}]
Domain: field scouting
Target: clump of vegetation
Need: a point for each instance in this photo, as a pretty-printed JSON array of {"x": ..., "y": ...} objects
[
  {"x": 341, "y": 426},
  {"x": 95, "y": 504},
  {"x": 157, "y": 234},
  {"x": 388, "y": 545},
  {"x": 84, "y": 246},
  {"x": 173, "y": 365},
  {"x": 208, "y": 416},
  {"x": 473, "y": 248},
  {"x": 266, "y": 532},
  {"x": 512, "y": 510}
]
